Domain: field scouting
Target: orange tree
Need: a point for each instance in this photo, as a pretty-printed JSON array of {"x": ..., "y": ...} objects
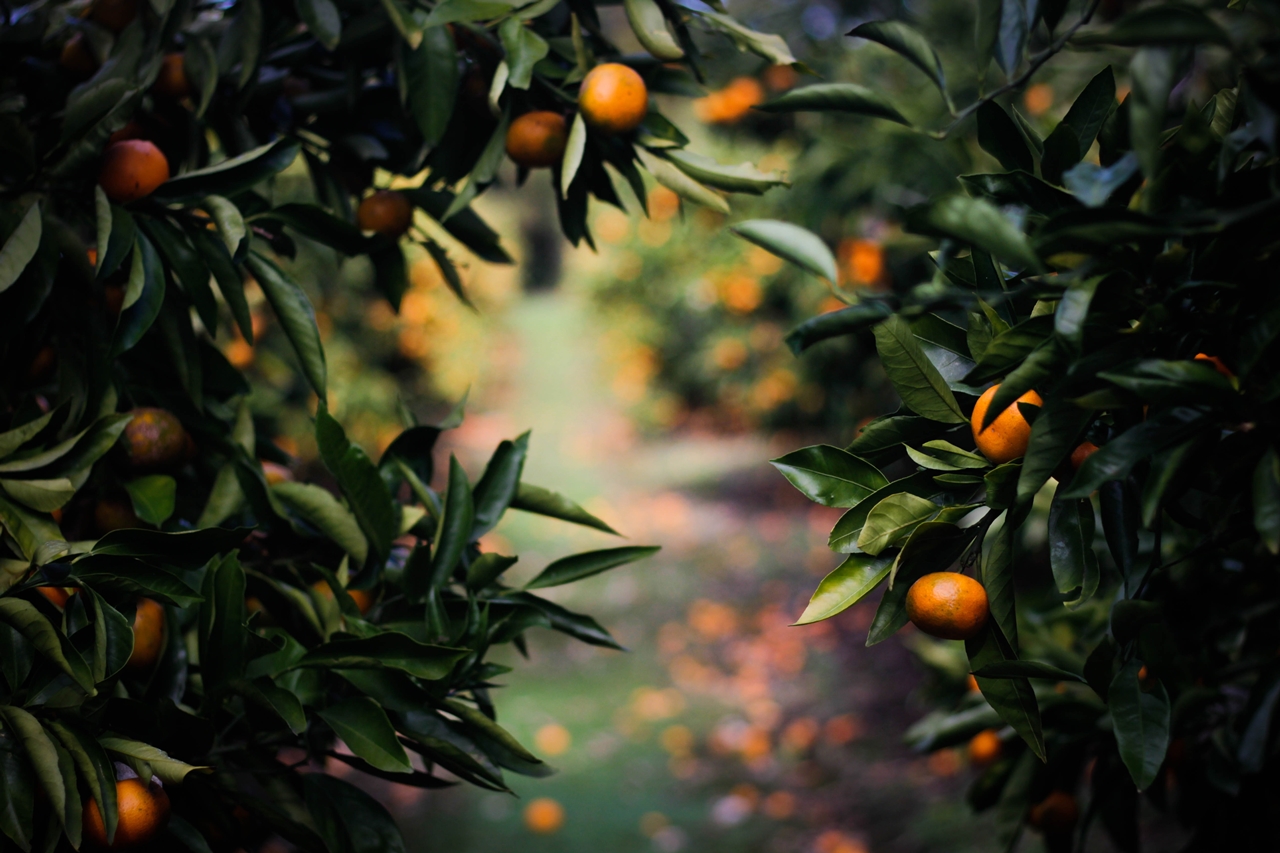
[
  {"x": 1095, "y": 352},
  {"x": 184, "y": 625}
]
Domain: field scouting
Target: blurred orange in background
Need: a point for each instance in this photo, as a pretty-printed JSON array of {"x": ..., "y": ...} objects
[
  {"x": 1038, "y": 99},
  {"x": 731, "y": 103}
]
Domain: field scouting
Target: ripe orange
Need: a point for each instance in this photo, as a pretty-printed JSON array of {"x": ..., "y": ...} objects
[
  {"x": 1057, "y": 812},
  {"x": 172, "y": 81},
  {"x": 148, "y": 635},
  {"x": 143, "y": 811},
  {"x": 275, "y": 473},
  {"x": 362, "y": 598},
  {"x": 544, "y": 816},
  {"x": 154, "y": 439},
  {"x": 115, "y": 15},
  {"x": 77, "y": 58},
  {"x": 57, "y": 595},
  {"x": 948, "y": 605},
  {"x": 985, "y": 748},
  {"x": 111, "y": 514},
  {"x": 387, "y": 212},
  {"x": 1082, "y": 452},
  {"x": 132, "y": 169},
  {"x": 1216, "y": 363},
  {"x": 971, "y": 684},
  {"x": 613, "y": 98},
  {"x": 537, "y": 139},
  {"x": 1007, "y": 436}
]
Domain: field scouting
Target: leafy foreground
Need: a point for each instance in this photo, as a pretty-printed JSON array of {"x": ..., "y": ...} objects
[
  {"x": 1135, "y": 293},
  {"x": 174, "y": 603}
]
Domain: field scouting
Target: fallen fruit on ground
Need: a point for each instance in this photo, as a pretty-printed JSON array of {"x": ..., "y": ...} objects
[{"x": 947, "y": 605}]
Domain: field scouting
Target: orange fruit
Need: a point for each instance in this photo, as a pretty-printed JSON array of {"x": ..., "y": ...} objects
[
  {"x": 275, "y": 473},
  {"x": 544, "y": 816},
  {"x": 1038, "y": 99},
  {"x": 148, "y": 635},
  {"x": 132, "y": 130},
  {"x": 1082, "y": 452},
  {"x": 143, "y": 811},
  {"x": 1216, "y": 363},
  {"x": 971, "y": 684},
  {"x": 111, "y": 514},
  {"x": 77, "y": 58},
  {"x": 537, "y": 139},
  {"x": 154, "y": 439},
  {"x": 57, "y": 595},
  {"x": 985, "y": 748},
  {"x": 132, "y": 169},
  {"x": 115, "y": 15},
  {"x": 362, "y": 598},
  {"x": 948, "y": 605},
  {"x": 613, "y": 98},
  {"x": 1057, "y": 812},
  {"x": 387, "y": 212},
  {"x": 172, "y": 81},
  {"x": 1005, "y": 439}
]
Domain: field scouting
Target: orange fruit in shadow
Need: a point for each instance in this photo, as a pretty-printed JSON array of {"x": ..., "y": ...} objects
[
  {"x": 544, "y": 816},
  {"x": 143, "y": 811},
  {"x": 132, "y": 169},
  {"x": 1057, "y": 812},
  {"x": 387, "y": 212},
  {"x": 276, "y": 473},
  {"x": 154, "y": 439},
  {"x": 537, "y": 139},
  {"x": 1006, "y": 438},
  {"x": 613, "y": 98},
  {"x": 77, "y": 58},
  {"x": 58, "y": 596},
  {"x": 1083, "y": 451},
  {"x": 111, "y": 514},
  {"x": 115, "y": 15},
  {"x": 948, "y": 605},
  {"x": 1215, "y": 363},
  {"x": 985, "y": 748},
  {"x": 132, "y": 130},
  {"x": 172, "y": 80},
  {"x": 362, "y": 598},
  {"x": 148, "y": 635}
]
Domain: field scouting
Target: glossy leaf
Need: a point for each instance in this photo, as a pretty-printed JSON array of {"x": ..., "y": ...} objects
[
  {"x": 830, "y": 476},
  {"x": 1012, "y": 698},
  {"x": 907, "y": 41},
  {"x": 743, "y": 178},
  {"x": 848, "y": 528},
  {"x": 431, "y": 80},
  {"x": 792, "y": 243},
  {"x": 20, "y": 247},
  {"x": 365, "y": 729},
  {"x": 1071, "y": 554},
  {"x": 24, "y": 618},
  {"x": 1117, "y": 457},
  {"x": 153, "y": 497},
  {"x": 1000, "y": 137},
  {"x": 1141, "y": 720},
  {"x": 231, "y": 175},
  {"x": 388, "y": 650},
  {"x": 364, "y": 488},
  {"x": 976, "y": 222},
  {"x": 498, "y": 485},
  {"x": 170, "y": 770},
  {"x": 42, "y": 753},
  {"x": 298, "y": 319},
  {"x": 836, "y": 97},
  {"x": 540, "y": 501},
  {"x": 1266, "y": 499},
  {"x": 579, "y": 566},
  {"x": 932, "y": 547},
  {"x": 892, "y": 520},
  {"x": 843, "y": 321},
  {"x": 326, "y": 513},
  {"x": 650, "y": 28},
  {"x": 848, "y": 584},
  {"x": 913, "y": 376},
  {"x": 348, "y": 819}
]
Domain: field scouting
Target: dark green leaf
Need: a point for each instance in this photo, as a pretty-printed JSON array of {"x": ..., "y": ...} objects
[
  {"x": 143, "y": 297},
  {"x": 322, "y": 20},
  {"x": 133, "y": 577},
  {"x": 487, "y": 568},
  {"x": 1071, "y": 554},
  {"x": 792, "y": 243},
  {"x": 364, "y": 488},
  {"x": 836, "y": 97},
  {"x": 153, "y": 497},
  {"x": 320, "y": 225},
  {"x": 830, "y": 476},
  {"x": 1141, "y": 722},
  {"x": 1165, "y": 24},
  {"x": 914, "y": 377},
  {"x": 389, "y": 650},
  {"x": 540, "y": 501},
  {"x": 431, "y": 80},
  {"x": 976, "y": 222},
  {"x": 1026, "y": 669},
  {"x": 20, "y": 247},
  {"x": 570, "y": 569},
  {"x": 189, "y": 548},
  {"x": 187, "y": 266},
  {"x": 1000, "y": 137},
  {"x": 349, "y": 820},
  {"x": 365, "y": 729},
  {"x": 905, "y": 40},
  {"x": 327, "y": 514},
  {"x": 296, "y": 316},
  {"x": 24, "y": 618},
  {"x": 848, "y": 584},
  {"x": 1117, "y": 457},
  {"x": 42, "y": 753},
  {"x": 230, "y": 176},
  {"x": 498, "y": 485},
  {"x": 844, "y": 321},
  {"x": 222, "y": 633},
  {"x": 1266, "y": 499},
  {"x": 997, "y": 578},
  {"x": 845, "y": 534},
  {"x": 1012, "y": 698}
]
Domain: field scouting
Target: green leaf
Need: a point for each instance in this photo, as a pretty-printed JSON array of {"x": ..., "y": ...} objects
[
  {"x": 1091, "y": 109},
  {"x": 1093, "y": 184},
  {"x": 681, "y": 184},
  {"x": 456, "y": 523},
  {"x": 222, "y": 635},
  {"x": 650, "y": 28},
  {"x": 201, "y": 66},
  {"x": 23, "y": 617},
  {"x": 1152, "y": 73},
  {"x": 1000, "y": 137},
  {"x": 743, "y": 178},
  {"x": 976, "y": 222},
  {"x": 455, "y": 11},
  {"x": 153, "y": 497},
  {"x": 914, "y": 377},
  {"x": 848, "y": 528},
  {"x": 1026, "y": 669},
  {"x": 227, "y": 217},
  {"x": 1116, "y": 458},
  {"x": 487, "y": 568},
  {"x": 486, "y": 728},
  {"x": 574, "y": 149},
  {"x": 188, "y": 548},
  {"x": 30, "y": 531},
  {"x": 907, "y": 41},
  {"x": 94, "y": 767},
  {"x": 1141, "y": 722},
  {"x": 20, "y": 435},
  {"x": 349, "y": 820},
  {"x": 524, "y": 48},
  {"x": 230, "y": 176},
  {"x": 365, "y": 729},
  {"x": 130, "y": 577},
  {"x": 836, "y": 97},
  {"x": 20, "y": 247},
  {"x": 1172, "y": 382},
  {"x": 364, "y": 488},
  {"x": 997, "y": 578},
  {"x": 465, "y": 226},
  {"x": 230, "y": 284},
  {"x": 932, "y": 547},
  {"x": 170, "y": 770},
  {"x": 1012, "y": 698},
  {"x": 319, "y": 507},
  {"x": 1009, "y": 349},
  {"x": 498, "y": 485},
  {"x": 1071, "y": 554},
  {"x": 579, "y": 566},
  {"x": 431, "y": 79},
  {"x": 844, "y": 321},
  {"x": 296, "y": 316},
  {"x": 848, "y": 584},
  {"x": 17, "y": 804},
  {"x": 771, "y": 47},
  {"x": 322, "y": 226},
  {"x": 1266, "y": 500},
  {"x": 830, "y": 476},
  {"x": 43, "y": 754},
  {"x": 540, "y": 501},
  {"x": 892, "y": 520},
  {"x": 388, "y": 650},
  {"x": 576, "y": 625},
  {"x": 1165, "y": 24},
  {"x": 322, "y": 20},
  {"x": 143, "y": 298},
  {"x": 40, "y": 495},
  {"x": 792, "y": 243}
]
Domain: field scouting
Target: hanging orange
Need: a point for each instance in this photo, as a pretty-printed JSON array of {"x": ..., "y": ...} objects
[
  {"x": 132, "y": 169},
  {"x": 1005, "y": 438},
  {"x": 613, "y": 98},
  {"x": 537, "y": 139}
]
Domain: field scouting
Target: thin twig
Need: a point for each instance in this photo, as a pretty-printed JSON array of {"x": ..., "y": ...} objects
[{"x": 1032, "y": 67}]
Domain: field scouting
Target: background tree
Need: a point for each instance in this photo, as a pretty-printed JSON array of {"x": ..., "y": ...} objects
[
  {"x": 1094, "y": 352},
  {"x": 177, "y": 609}
]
